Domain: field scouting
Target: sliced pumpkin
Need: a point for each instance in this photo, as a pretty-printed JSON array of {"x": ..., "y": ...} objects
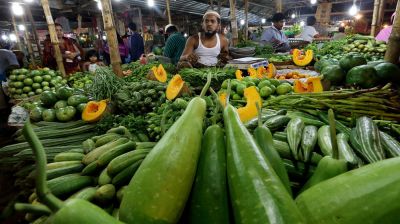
[
  {"x": 311, "y": 85},
  {"x": 161, "y": 74},
  {"x": 302, "y": 60},
  {"x": 239, "y": 74},
  {"x": 261, "y": 72},
  {"x": 157, "y": 74},
  {"x": 271, "y": 71},
  {"x": 176, "y": 87},
  {"x": 252, "y": 72},
  {"x": 249, "y": 111},
  {"x": 94, "y": 110},
  {"x": 222, "y": 98}
]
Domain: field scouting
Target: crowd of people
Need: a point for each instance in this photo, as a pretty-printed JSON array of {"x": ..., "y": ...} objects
[{"x": 207, "y": 48}]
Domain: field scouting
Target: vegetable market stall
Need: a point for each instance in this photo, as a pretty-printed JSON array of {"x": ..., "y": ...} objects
[{"x": 107, "y": 138}]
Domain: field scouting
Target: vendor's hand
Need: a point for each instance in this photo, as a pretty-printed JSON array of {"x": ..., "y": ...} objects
[
  {"x": 70, "y": 55},
  {"x": 276, "y": 42},
  {"x": 192, "y": 58}
]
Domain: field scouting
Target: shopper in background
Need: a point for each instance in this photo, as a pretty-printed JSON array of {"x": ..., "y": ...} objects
[
  {"x": 93, "y": 61},
  {"x": 69, "y": 51},
  {"x": 207, "y": 48},
  {"x": 159, "y": 39},
  {"x": 48, "y": 59},
  {"x": 309, "y": 33},
  {"x": 8, "y": 62},
  {"x": 123, "y": 50},
  {"x": 339, "y": 35},
  {"x": 136, "y": 44},
  {"x": 273, "y": 35},
  {"x": 384, "y": 34},
  {"x": 175, "y": 43}
]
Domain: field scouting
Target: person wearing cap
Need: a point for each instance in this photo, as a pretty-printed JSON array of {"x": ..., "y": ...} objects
[
  {"x": 273, "y": 35},
  {"x": 175, "y": 43},
  {"x": 384, "y": 34},
  {"x": 207, "y": 48}
]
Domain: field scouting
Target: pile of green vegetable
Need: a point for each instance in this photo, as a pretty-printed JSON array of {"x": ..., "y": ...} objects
[
  {"x": 366, "y": 46},
  {"x": 183, "y": 172},
  {"x": 97, "y": 171},
  {"x": 197, "y": 77},
  {"x": 353, "y": 69},
  {"x": 268, "y": 88},
  {"x": 140, "y": 71},
  {"x": 63, "y": 105},
  {"x": 139, "y": 98},
  {"x": 105, "y": 84},
  {"x": 81, "y": 80},
  {"x": 276, "y": 58},
  {"x": 26, "y": 83},
  {"x": 378, "y": 103}
]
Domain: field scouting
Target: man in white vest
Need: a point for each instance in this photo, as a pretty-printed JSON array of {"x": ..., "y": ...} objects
[{"x": 207, "y": 48}]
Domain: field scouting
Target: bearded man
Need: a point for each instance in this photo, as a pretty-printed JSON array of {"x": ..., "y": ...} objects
[{"x": 207, "y": 48}]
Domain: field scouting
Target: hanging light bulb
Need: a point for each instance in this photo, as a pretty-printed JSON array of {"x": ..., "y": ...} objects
[
  {"x": 13, "y": 37},
  {"x": 150, "y": 3},
  {"x": 28, "y": 1},
  {"x": 4, "y": 37},
  {"x": 313, "y": 2},
  {"x": 358, "y": 16},
  {"x": 302, "y": 23},
  {"x": 293, "y": 15},
  {"x": 21, "y": 27},
  {"x": 263, "y": 20},
  {"x": 185, "y": 35},
  {"x": 17, "y": 9},
  {"x": 242, "y": 22},
  {"x": 99, "y": 6},
  {"x": 353, "y": 10}
]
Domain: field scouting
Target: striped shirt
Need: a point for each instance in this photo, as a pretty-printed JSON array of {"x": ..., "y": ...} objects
[{"x": 174, "y": 47}]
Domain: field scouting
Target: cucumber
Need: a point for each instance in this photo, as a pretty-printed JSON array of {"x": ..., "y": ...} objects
[
  {"x": 144, "y": 145},
  {"x": 91, "y": 169},
  {"x": 126, "y": 174},
  {"x": 110, "y": 137},
  {"x": 86, "y": 193},
  {"x": 104, "y": 178},
  {"x": 256, "y": 192},
  {"x": 51, "y": 174},
  {"x": 370, "y": 139},
  {"x": 263, "y": 137},
  {"x": 109, "y": 155},
  {"x": 308, "y": 141},
  {"x": 125, "y": 160},
  {"x": 355, "y": 197},
  {"x": 391, "y": 145},
  {"x": 88, "y": 145},
  {"x": 121, "y": 130},
  {"x": 105, "y": 193},
  {"x": 280, "y": 136},
  {"x": 345, "y": 150},
  {"x": 294, "y": 131},
  {"x": 77, "y": 150},
  {"x": 97, "y": 152},
  {"x": 307, "y": 119},
  {"x": 277, "y": 122},
  {"x": 121, "y": 192},
  {"x": 56, "y": 165},
  {"x": 339, "y": 125},
  {"x": 68, "y": 184},
  {"x": 68, "y": 156},
  {"x": 209, "y": 197},
  {"x": 324, "y": 140}
]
